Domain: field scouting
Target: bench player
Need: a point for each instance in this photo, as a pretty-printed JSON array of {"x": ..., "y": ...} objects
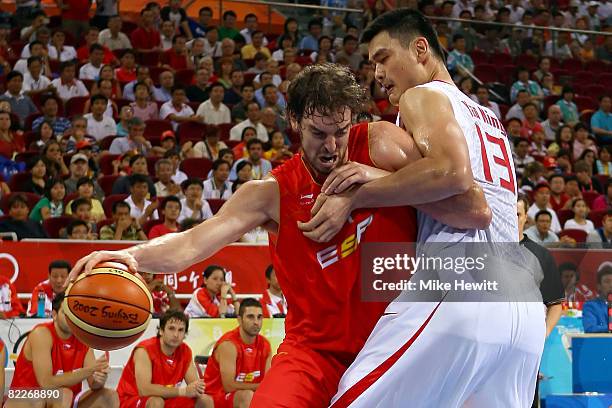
[{"x": 327, "y": 322}]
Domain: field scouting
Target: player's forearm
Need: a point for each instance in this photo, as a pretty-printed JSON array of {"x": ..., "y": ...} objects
[
  {"x": 553, "y": 314},
  {"x": 155, "y": 390},
  {"x": 65, "y": 379},
  {"x": 426, "y": 180},
  {"x": 232, "y": 386}
]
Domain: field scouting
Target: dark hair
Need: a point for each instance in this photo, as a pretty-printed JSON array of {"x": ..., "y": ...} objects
[
  {"x": 216, "y": 85},
  {"x": 254, "y": 142},
  {"x": 77, "y": 202},
  {"x": 242, "y": 165},
  {"x": 56, "y": 303},
  {"x": 34, "y": 59},
  {"x": 98, "y": 97},
  {"x": 118, "y": 204},
  {"x": 191, "y": 181},
  {"x": 248, "y": 127},
  {"x": 189, "y": 223},
  {"x": 67, "y": 64},
  {"x": 567, "y": 89},
  {"x": 314, "y": 22},
  {"x": 218, "y": 163},
  {"x": 210, "y": 269},
  {"x": 59, "y": 264},
  {"x": 542, "y": 212},
  {"x": 570, "y": 266},
  {"x": 173, "y": 314},
  {"x": 237, "y": 183},
  {"x": 519, "y": 140},
  {"x": 287, "y": 22},
  {"x": 325, "y": 88},
  {"x": 142, "y": 84},
  {"x": 602, "y": 97},
  {"x": 177, "y": 87},
  {"x": 13, "y": 74},
  {"x": 136, "y": 157},
  {"x": 250, "y": 15},
  {"x": 205, "y": 9},
  {"x": 177, "y": 36},
  {"x": 581, "y": 166},
  {"x": 17, "y": 198},
  {"x": 260, "y": 56},
  {"x": 138, "y": 179},
  {"x": 170, "y": 199},
  {"x": 50, "y": 184},
  {"x": 550, "y": 179},
  {"x": 73, "y": 224},
  {"x": 530, "y": 104},
  {"x": 269, "y": 271},
  {"x": 229, "y": 13},
  {"x": 34, "y": 160},
  {"x": 248, "y": 302},
  {"x": 223, "y": 152},
  {"x": 84, "y": 180},
  {"x": 96, "y": 47}
]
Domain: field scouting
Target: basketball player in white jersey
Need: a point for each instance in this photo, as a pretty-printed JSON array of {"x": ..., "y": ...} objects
[{"x": 439, "y": 353}]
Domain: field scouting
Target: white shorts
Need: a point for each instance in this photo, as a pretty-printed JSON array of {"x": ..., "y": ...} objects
[{"x": 448, "y": 355}]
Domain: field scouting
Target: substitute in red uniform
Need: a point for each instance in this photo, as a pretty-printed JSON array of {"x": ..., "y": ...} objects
[
  {"x": 239, "y": 360},
  {"x": 327, "y": 322},
  {"x": 53, "y": 358},
  {"x": 273, "y": 301},
  {"x": 50, "y": 288},
  {"x": 157, "y": 368}
]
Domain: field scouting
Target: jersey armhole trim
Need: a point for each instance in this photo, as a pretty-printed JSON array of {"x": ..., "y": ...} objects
[{"x": 370, "y": 149}]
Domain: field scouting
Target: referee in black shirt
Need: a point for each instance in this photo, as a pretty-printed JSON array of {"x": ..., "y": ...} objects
[{"x": 545, "y": 273}]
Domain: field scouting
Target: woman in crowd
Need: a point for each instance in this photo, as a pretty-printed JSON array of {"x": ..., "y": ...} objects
[
  {"x": 53, "y": 158},
  {"x": 11, "y": 141},
  {"x": 580, "y": 221},
  {"x": 210, "y": 147},
  {"x": 36, "y": 182},
  {"x": 210, "y": 300},
  {"x": 52, "y": 204}
]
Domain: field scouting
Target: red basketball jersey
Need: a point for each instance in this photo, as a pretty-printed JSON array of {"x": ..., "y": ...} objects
[
  {"x": 250, "y": 362},
  {"x": 168, "y": 371},
  {"x": 322, "y": 281},
  {"x": 66, "y": 356}
]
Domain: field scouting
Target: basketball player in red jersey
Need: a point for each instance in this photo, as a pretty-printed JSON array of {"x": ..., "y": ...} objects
[
  {"x": 52, "y": 358},
  {"x": 240, "y": 359},
  {"x": 153, "y": 375},
  {"x": 327, "y": 323}
]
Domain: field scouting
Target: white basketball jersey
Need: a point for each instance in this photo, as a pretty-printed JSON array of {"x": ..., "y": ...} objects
[{"x": 492, "y": 168}]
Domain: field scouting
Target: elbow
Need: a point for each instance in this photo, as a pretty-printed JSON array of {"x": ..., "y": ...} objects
[
  {"x": 483, "y": 218},
  {"x": 458, "y": 180}
]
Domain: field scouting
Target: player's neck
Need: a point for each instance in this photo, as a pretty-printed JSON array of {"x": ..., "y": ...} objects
[
  {"x": 440, "y": 73},
  {"x": 275, "y": 292},
  {"x": 61, "y": 333},
  {"x": 246, "y": 338},
  {"x": 168, "y": 351}
]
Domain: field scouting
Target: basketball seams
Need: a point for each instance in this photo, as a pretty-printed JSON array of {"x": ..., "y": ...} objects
[
  {"x": 108, "y": 300},
  {"x": 115, "y": 334}
]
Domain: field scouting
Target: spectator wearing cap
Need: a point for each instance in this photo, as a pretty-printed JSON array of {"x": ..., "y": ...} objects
[
  {"x": 521, "y": 156},
  {"x": 165, "y": 186},
  {"x": 169, "y": 144},
  {"x": 595, "y": 312},
  {"x": 541, "y": 232},
  {"x": 18, "y": 221},
  {"x": 601, "y": 121},
  {"x": 194, "y": 205},
  {"x": 79, "y": 168},
  {"x": 135, "y": 141},
  {"x": 592, "y": 15},
  {"x": 214, "y": 111},
  {"x": 218, "y": 186},
  {"x": 541, "y": 202},
  {"x": 176, "y": 110},
  {"x": 602, "y": 236},
  {"x": 569, "y": 110},
  {"x": 85, "y": 189},
  {"x": 516, "y": 110},
  {"x": 138, "y": 165},
  {"x": 141, "y": 209},
  {"x": 67, "y": 85},
  {"x": 21, "y": 104},
  {"x": 98, "y": 124},
  {"x": 553, "y": 122}
]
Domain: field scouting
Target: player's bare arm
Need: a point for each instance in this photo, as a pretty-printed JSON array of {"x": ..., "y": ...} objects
[
  {"x": 144, "y": 373},
  {"x": 98, "y": 378},
  {"x": 226, "y": 354},
  {"x": 255, "y": 204},
  {"x": 192, "y": 379}
]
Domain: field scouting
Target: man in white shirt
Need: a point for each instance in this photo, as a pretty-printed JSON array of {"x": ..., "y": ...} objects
[
  {"x": 99, "y": 125},
  {"x": 542, "y": 202},
  {"x": 516, "y": 110},
  {"x": 166, "y": 33},
  {"x": 194, "y": 205},
  {"x": 43, "y": 34},
  {"x": 91, "y": 70},
  {"x": 553, "y": 123},
  {"x": 540, "y": 232},
  {"x": 38, "y": 50},
  {"x": 218, "y": 186},
  {"x": 58, "y": 50},
  {"x": 135, "y": 139},
  {"x": 164, "y": 92},
  {"x": 176, "y": 110},
  {"x": 250, "y": 26},
  {"x": 214, "y": 111},
  {"x": 165, "y": 186},
  {"x": 212, "y": 46},
  {"x": 34, "y": 81},
  {"x": 67, "y": 85},
  {"x": 112, "y": 37},
  {"x": 253, "y": 120},
  {"x": 141, "y": 209}
]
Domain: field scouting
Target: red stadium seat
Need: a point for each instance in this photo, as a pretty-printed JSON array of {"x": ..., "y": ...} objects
[
  {"x": 18, "y": 179},
  {"x": 151, "y": 164},
  {"x": 215, "y": 204},
  {"x": 596, "y": 66},
  {"x": 74, "y": 106},
  {"x": 498, "y": 59},
  {"x": 479, "y": 57},
  {"x": 550, "y": 100},
  {"x": 27, "y": 155},
  {"x": 597, "y": 217},
  {"x": 106, "y": 163},
  {"x": 184, "y": 77},
  {"x": 109, "y": 201},
  {"x": 106, "y": 142},
  {"x": 577, "y": 234},
  {"x": 572, "y": 65},
  {"x": 564, "y": 215},
  {"x": 54, "y": 225},
  {"x": 150, "y": 224},
  {"x": 486, "y": 73},
  {"x": 191, "y": 131},
  {"x": 595, "y": 90},
  {"x": 69, "y": 197},
  {"x": 528, "y": 61},
  {"x": 249, "y": 77},
  {"x": 506, "y": 74},
  {"x": 30, "y": 119},
  {"x": 121, "y": 102},
  {"x": 150, "y": 59},
  {"x": 603, "y": 179},
  {"x": 102, "y": 223},
  {"x": 589, "y": 197},
  {"x": 224, "y": 131},
  {"x": 582, "y": 78},
  {"x": 155, "y": 127},
  {"x": 585, "y": 102},
  {"x": 31, "y": 198},
  {"x": 154, "y": 72},
  {"x": 196, "y": 167},
  {"x": 106, "y": 183}
]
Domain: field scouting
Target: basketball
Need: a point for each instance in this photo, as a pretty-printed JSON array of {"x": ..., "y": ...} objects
[{"x": 109, "y": 308}]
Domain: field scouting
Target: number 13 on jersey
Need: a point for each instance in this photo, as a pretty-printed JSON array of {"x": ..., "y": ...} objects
[{"x": 503, "y": 170}]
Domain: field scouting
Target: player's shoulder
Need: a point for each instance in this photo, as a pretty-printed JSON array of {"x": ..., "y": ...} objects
[{"x": 423, "y": 99}]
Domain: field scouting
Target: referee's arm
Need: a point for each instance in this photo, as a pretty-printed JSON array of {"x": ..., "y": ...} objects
[{"x": 552, "y": 291}]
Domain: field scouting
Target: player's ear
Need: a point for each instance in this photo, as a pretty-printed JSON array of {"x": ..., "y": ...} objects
[{"x": 421, "y": 47}]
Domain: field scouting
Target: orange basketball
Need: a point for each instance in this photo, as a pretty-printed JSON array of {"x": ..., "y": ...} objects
[{"x": 109, "y": 308}]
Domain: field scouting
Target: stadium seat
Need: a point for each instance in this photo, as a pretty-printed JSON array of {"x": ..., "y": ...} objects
[
  {"x": 102, "y": 223},
  {"x": 486, "y": 73},
  {"x": 106, "y": 142},
  {"x": 479, "y": 57},
  {"x": 106, "y": 183},
  {"x": 215, "y": 204},
  {"x": 109, "y": 201},
  {"x": 30, "y": 138},
  {"x": 121, "y": 102},
  {"x": 589, "y": 197},
  {"x": 224, "y": 131},
  {"x": 17, "y": 180},
  {"x": 184, "y": 77},
  {"x": 583, "y": 78},
  {"x": 26, "y": 156},
  {"x": 550, "y": 100},
  {"x": 194, "y": 131},
  {"x": 196, "y": 167},
  {"x": 31, "y": 198},
  {"x": 150, "y": 224},
  {"x": 564, "y": 215},
  {"x": 69, "y": 197},
  {"x": 106, "y": 163},
  {"x": 150, "y": 59},
  {"x": 528, "y": 61},
  {"x": 30, "y": 119},
  {"x": 499, "y": 59},
  {"x": 506, "y": 74},
  {"x": 577, "y": 234},
  {"x": 249, "y": 77},
  {"x": 603, "y": 179},
  {"x": 151, "y": 164},
  {"x": 74, "y": 106},
  {"x": 596, "y": 66},
  {"x": 595, "y": 90},
  {"x": 154, "y": 72},
  {"x": 155, "y": 127},
  {"x": 585, "y": 102},
  {"x": 54, "y": 225},
  {"x": 597, "y": 217},
  {"x": 572, "y": 65}
]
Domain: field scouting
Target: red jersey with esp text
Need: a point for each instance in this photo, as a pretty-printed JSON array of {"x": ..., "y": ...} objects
[
  {"x": 321, "y": 281},
  {"x": 168, "y": 371},
  {"x": 66, "y": 356},
  {"x": 250, "y": 362}
]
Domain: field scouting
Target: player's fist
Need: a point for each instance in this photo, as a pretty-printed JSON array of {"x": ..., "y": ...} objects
[{"x": 195, "y": 388}]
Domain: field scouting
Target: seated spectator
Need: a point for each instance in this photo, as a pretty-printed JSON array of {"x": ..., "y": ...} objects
[
  {"x": 91, "y": 38},
  {"x": 200, "y": 27},
  {"x": 582, "y": 141},
  {"x": 67, "y": 86},
  {"x": 531, "y": 122},
  {"x": 210, "y": 147},
  {"x": 553, "y": 123},
  {"x": 266, "y": 78},
  {"x": 194, "y": 205},
  {"x": 127, "y": 71},
  {"x": 233, "y": 94},
  {"x": 165, "y": 186},
  {"x": 138, "y": 165},
  {"x": 143, "y": 107},
  {"x": 34, "y": 49},
  {"x": 210, "y": 300},
  {"x": 142, "y": 75},
  {"x": 34, "y": 82},
  {"x": 459, "y": 63},
  {"x": 261, "y": 61},
  {"x": 196, "y": 48},
  {"x": 279, "y": 151},
  {"x": 603, "y": 165},
  {"x": 574, "y": 290},
  {"x": 541, "y": 202},
  {"x": 538, "y": 148},
  {"x": 601, "y": 121},
  {"x": 107, "y": 73},
  {"x": 251, "y": 25},
  {"x": 585, "y": 180},
  {"x": 78, "y": 229},
  {"x": 589, "y": 157},
  {"x": 125, "y": 114},
  {"x": 176, "y": 110},
  {"x": 257, "y": 45},
  {"x": 602, "y": 236},
  {"x": 516, "y": 110},
  {"x": 45, "y": 134},
  {"x": 38, "y": 174},
  {"x": 198, "y": 92},
  {"x": 164, "y": 297},
  {"x": 10, "y": 305},
  {"x": 227, "y": 375},
  {"x": 540, "y": 232},
  {"x": 146, "y": 38},
  {"x": 98, "y": 124},
  {"x": 124, "y": 226},
  {"x": 521, "y": 156},
  {"x": 260, "y": 166},
  {"x": 253, "y": 120},
  {"x": 85, "y": 189},
  {"x": 561, "y": 47},
  {"x": 595, "y": 317},
  {"x": 112, "y": 37},
  {"x": 535, "y": 92},
  {"x": 273, "y": 300},
  {"x": 543, "y": 69},
  {"x": 311, "y": 41},
  {"x": 11, "y": 142},
  {"x": 80, "y": 208},
  {"x": 350, "y": 52},
  {"x": 49, "y": 288},
  {"x": 564, "y": 140},
  {"x": 218, "y": 186},
  {"x": 18, "y": 221},
  {"x": 52, "y": 204},
  {"x": 135, "y": 140},
  {"x": 569, "y": 110},
  {"x": 103, "y": 87},
  {"x": 171, "y": 209},
  {"x": 164, "y": 92},
  {"x": 141, "y": 209},
  {"x": 482, "y": 97},
  {"x": 79, "y": 168},
  {"x": 175, "y": 158},
  {"x": 325, "y": 50},
  {"x": 212, "y": 46},
  {"x": 177, "y": 57},
  {"x": 559, "y": 200},
  {"x": 214, "y": 111},
  {"x": 166, "y": 33},
  {"x": 604, "y": 201},
  {"x": 224, "y": 73},
  {"x": 169, "y": 143},
  {"x": 53, "y": 157},
  {"x": 91, "y": 70},
  {"x": 21, "y": 105},
  {"x": 239, "y": 111},
  {"x": 580, "y": 221},
  {"x": 58, "y": 50},
  {"x": 228, "y": 25}
]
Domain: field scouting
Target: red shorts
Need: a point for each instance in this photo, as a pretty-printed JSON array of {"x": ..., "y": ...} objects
[
  {"x": 224, "y": 400},
  {"x": 140, "y": 402},
  {"x": 299, "y": 377}
]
